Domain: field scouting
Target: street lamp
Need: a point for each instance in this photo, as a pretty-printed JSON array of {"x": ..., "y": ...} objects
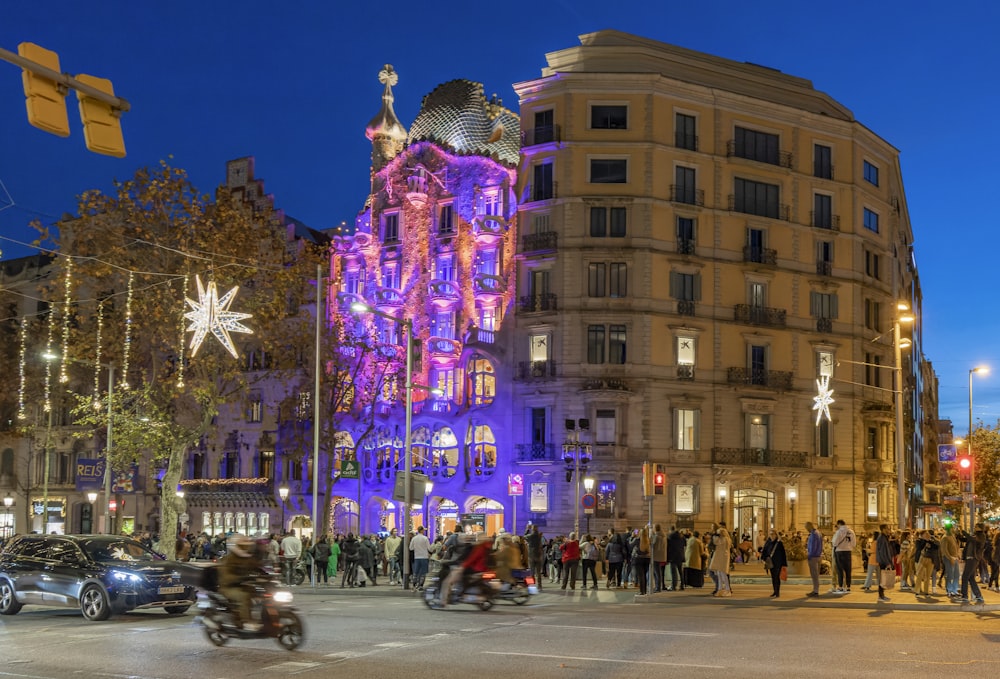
[
  {"x": 588, "y": 485},
  {"x": 980, "y": 370},
  {"x": 576, "y": 456},
  {"x": 92, "y": 499},
  {"x": 791, "y": 503},
  {"x": 902, "y": 316},
  {"x": 722, "y": 504},
  {"x": 8, "y": 502},
  {"x": 428, "y": 487},
  {"x": 283, "y": 494}
]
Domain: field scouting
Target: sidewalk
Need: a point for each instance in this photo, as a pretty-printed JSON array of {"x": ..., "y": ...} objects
[{"x": 751, "y": 583}]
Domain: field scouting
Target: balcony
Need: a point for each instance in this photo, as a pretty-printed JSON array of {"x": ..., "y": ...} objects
[
  {"x": 779, "y": 158},
  {"x": 346, "y": 299},
  {"x": 443, "y": 349},
  {"x": 542, "y": 134},
  {"x": 755, "y": 377},
  {"x": 487, "y": 286},
  {"x": 685, "y": 246},
  {"x": 687, "y": 195},
  {"x": 759, "y": 315},
  {"x": 530, "y": 303},
  {"x": 539, "y": 242},
  {"x": 685, "y": 372},
  {"x": 537, "y": 452},
  {"x": 489, "y": 229},
  {"x": 388, "y": 297},
  {"x": 685, "y": 307},
  {"x": 748, "y": 206},
  {"x": 824, "y": 268},
  {"x": 480, "y": 336},
  {"x": 824, "y": 324},
  {"x": 536, "y": 370},
  {"x": 759, "y": 255},
  {"x": 761, "y": 457},
  {"x": 605, "y": 384},
  {"x": 822, "y": 220},
  {"x": 442, "y": 291}
]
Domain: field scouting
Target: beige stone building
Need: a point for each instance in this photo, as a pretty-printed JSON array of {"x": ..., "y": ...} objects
[{"x": 703, "y": 242}]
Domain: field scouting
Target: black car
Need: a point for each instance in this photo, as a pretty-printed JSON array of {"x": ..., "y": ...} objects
[{"x": 100, "y": 574}]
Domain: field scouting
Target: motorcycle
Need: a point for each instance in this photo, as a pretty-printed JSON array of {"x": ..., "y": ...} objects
[
  {"x": 481, "y": 589},
  {"x": 271, "y": 606},
  {"x": 522, "y": 589}
]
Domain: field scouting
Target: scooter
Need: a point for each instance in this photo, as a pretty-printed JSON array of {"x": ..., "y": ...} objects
[
  {"x": 271, "y": 607},
  {"x": 481, "y": 589},
  {"x": 522, "y": 589}
]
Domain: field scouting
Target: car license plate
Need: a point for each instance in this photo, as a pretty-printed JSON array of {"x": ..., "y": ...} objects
[{"x": 172, "y": 590}]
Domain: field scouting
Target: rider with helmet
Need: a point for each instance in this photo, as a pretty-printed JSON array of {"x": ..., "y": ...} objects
[
  {"x": 239, "y": 565},
  {"x": 475, "y": 560}
]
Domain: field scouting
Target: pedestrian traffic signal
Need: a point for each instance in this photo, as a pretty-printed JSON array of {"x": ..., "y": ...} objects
[
  {"x": 45, "y": 98},
  {"x": 659, "y": 479}
]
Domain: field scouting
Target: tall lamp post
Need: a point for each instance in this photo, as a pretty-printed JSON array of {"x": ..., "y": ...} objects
[
  {"x": 576, "y": 456},
  {"x": 902, "y": 316},
  {"x": 283, "y": 494},
  {"x": 791, "y": 505},
  {"x": 92, "y": 499},
  {"x": 588, "y": 485},
  {"x": 8, "y": 502},
  {"x": 980, "y": 370},
  {"x": 722, "y": 504}
]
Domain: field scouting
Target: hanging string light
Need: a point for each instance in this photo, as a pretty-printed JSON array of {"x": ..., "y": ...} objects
[
  {"x": 182, "y": 330},
  {"x": 128, "y": 331},
  {"x": 48, "y": 361},
  {"x": 20, "y": 369},
  {"x": 97, "y": 361},
  {"x": 67, "y": 308}
]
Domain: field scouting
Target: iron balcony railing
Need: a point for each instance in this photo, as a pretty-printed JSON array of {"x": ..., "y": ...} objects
[
  {"x": 758, "y": 377},
  {"x": 536, "y": 242},
  {"x": 824, "y": 268},
  {"x": 687, "y": 194},
  {"x": 824, "y": 220},
  {"x": 546, "y": 302},
  {"x": 536, "y": 370},
  {"x": 761, "y": 456},
  {"x": 685, "y": 372},
  {"x": 749, "y": 206},
  {"x": 780, "y": 158},
  {"x": 542, "y": 134},
  {"x": 685, "y": 307},
  {"x": 537, "y": 452},
  {"x": 759, "y": 315},
  {"x": 824, "y": 324},
  {"x": 759, "y": 255},
  {"x": 685, "y": 246}
]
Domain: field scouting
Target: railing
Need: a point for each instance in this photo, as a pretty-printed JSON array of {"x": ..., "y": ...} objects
[
  {"x": 685, "y": 372},
  {"x": 824, "y": 268},
  {"x": 824, "y": 220},
  {"x": 546, "y": 302},
  {"x": 685, "y": 246},
  {"x": 761, "y": 456},
  {"x": 779, "y": 211},
  {"x": 753, "y": 253},
  {"x": 487, "y": 284},
  {"x": 534, "y": 242},
  {"x": 782, "y": 158},
  {"x": 759, "y": 315},
  {"x": 824, "y": 324},
  {"x": 685, "y": 307},
  {"x": 686, "y": 141},
  {"x": 772, "y": 379},
  {"x": 537, "y": 452},
  {"x": 606, "y": 384},
  {"x": 543, "y": 134},
  {"x": 533, "y": 370},
  {"x": 687, "y": 194},
  {"x": 480, "y": 336},
  {"x": 388, "y": 296},
  {"x": 439, "y": 288}
]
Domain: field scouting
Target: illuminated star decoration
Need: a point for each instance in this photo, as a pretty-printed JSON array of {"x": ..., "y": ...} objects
[
  {"x": 211, "y": 314},
  {"x": 823, "y": 399}
]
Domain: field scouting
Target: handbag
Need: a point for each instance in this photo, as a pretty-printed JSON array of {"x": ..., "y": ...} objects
[
  {"x": 887, "y": 578},
  {"x": 784, "y": 573},
  {"x": 768, "y": 564}
]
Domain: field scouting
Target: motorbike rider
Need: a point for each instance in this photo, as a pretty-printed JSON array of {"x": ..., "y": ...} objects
[
  {"x": 240, "y": 565},
  {"x": 476, "y": 560},
  {"x": 508, "y": 557}
]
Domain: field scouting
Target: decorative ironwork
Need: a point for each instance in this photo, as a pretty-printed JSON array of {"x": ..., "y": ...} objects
[
  {"x": 606, "y": 383},
  {"x": 542, "y": 134},
  {"x": 528, "y": 370},
  {"x": 689, "y": 195},
  {"x": 759, "y": 315},
  {"x": 685, "y": 307},
  {"x": 780, "y": 158},
  {"x": 760, "y": 456},
  {"x": 685, "y": 372},
  {"x": 824, "y": 268},
  {"x": 536, "y": 452},
  {"x": 685, "y": 246},
  {"x": 546, "y": 302},
  {"x": 771, "y": 379},
  {"x": 824, "y": 220},
  {"x": 824, "y": 324},
  {"x": 534, "y": 242},
  {"x": 752, "y": 253}
]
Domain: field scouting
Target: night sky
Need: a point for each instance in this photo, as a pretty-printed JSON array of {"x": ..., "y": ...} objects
[{"x": 294, "y": 84}]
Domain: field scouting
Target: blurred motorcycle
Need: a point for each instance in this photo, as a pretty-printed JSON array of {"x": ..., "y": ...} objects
[
  {"x": 522, "y": 589},
  {"x": 478, "y": 589},
  {"x": 271, "y": 606}
]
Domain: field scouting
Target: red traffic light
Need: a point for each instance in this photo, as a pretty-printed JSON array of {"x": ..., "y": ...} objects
[
  {"x": 965, "y": 462},
  {"x": 658, "y": 479}
]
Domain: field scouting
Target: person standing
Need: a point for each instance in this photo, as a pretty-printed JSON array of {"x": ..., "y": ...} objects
[
  {"x": 291, "y": 550},
  {"x": 640, "y": 560},
  {"x": 694, "y": 554},
  {"x": 950, "y": 557},
  {"x": 972, "y": 553},
  {"x": 719, "y": 565},
  {"x": 392, "y": 543},
  {"x": 676, "y": 557},
  {"x": 884, "y": 558},
  {"x": 588, "y": 558},
  {"x": 321, "y": 559},
  {"x": 420, "y": 548},
  {"x": 814, "y": 553},
  {"x": 331, "y": 567},
  {"x": 926, "y": 553},
  {"x": 570, "y": 561},
  {"x": 536, "y": 554},
  {"x": 615, "y": 554},
  {"x": 843, "y": 546},
  {"x": 773, "y": 553},
  {"x": 349, "y": 548},
  {"x": 659, "y": 561}
]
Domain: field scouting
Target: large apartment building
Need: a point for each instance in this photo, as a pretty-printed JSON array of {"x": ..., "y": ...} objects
[{"x": 703, "y": 244}]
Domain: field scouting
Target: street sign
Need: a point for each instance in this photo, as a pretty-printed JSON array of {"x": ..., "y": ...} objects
[
  {"x": 589, "y": 501},
  {"x": 350, "y": 469},
  {"x": 515, "y": 484},
  {"x": 947, "y": 452}
]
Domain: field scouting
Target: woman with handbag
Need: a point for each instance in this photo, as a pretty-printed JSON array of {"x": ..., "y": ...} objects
[
  {"x": 775, "y": 561},
  {"x": 887, "y": 571}
]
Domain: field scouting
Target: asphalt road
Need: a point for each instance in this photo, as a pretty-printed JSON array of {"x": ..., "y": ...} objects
[{"x": 378, "y": 633}]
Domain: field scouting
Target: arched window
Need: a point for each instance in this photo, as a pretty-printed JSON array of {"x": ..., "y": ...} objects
[
  {"x": 444, "y": 453},
  {"x": 420, "y": 449},
  {"x": 482, "y": 449},
  {"x": 482, "y": 380}
]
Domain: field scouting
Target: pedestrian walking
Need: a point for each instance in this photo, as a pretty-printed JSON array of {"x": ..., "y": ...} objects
[{"x": 774, "y": 561}]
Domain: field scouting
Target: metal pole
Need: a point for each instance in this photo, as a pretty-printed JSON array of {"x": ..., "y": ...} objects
[
  {"x": 65, "y": 80},
  {"x": 320, "y": 312},
  {"x": 45, "y": 480},
  {"x": 576, "y": 473},
  {"x": 107, "y": 451},
  {"x": 408, "y": 463},
  {"x": 972, "y": 468},
  {"x": 901, "y": 503}
]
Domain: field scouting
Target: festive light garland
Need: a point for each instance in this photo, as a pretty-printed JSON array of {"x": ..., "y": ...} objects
[
  {"x": 67, "y": 307},
  {"x": 21, "y": 415},
  {"x": 48, "y": 362},
  {"x": 97, "y": 360},
  {"x": 225, "y": 482},
  {"x": 211, "y": 314},
  {"x": 823, "y": 399},
  {"x": 128, "y": 332},
  {"x": 180, "y": 359}
]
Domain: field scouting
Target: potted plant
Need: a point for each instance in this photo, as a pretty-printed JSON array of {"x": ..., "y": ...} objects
[{"x": 795, "y": 552}]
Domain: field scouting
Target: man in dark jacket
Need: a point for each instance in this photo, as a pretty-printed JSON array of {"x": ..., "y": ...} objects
[
  {"x": 972, "y": 553},
  {"x": 366, "y": 559},
  {"x": 676, "y": 545},
  {"x": 349, "y": 552}
]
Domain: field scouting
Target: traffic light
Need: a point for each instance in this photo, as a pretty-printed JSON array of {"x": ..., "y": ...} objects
[
  {"x": 659, "y": 478},
  {"x": 647, "y": 479},
  {"x": 102, "y": 128},
  {"x": 965, "y": 472},
  {"x": 45, "y": 98}
]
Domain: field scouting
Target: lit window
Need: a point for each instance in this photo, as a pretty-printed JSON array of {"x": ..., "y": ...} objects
[{"x": 482, "y": 380}]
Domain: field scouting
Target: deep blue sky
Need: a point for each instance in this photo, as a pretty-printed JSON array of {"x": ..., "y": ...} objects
[{"x": 294, "y": 84}]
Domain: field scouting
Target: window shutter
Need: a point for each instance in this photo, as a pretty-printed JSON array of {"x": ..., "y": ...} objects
[
  {"x": 814, "y": 304},
  {"x": 697, "y": 287},
  {"x": 833, "y": 306}
]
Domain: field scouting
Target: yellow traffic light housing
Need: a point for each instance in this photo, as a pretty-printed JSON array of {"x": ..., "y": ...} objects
[
  {"x": 45, "y": 98},
  {"x": 647, "y": 479},
  {"x": 102, "y": 129}
]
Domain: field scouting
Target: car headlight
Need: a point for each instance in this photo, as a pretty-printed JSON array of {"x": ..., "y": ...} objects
[
  {"x": 283, "y": 596},
  {"x": 125, "y": 576}
]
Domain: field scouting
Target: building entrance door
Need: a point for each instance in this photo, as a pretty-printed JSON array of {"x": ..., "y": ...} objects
[{"x": 753, "y": 514}]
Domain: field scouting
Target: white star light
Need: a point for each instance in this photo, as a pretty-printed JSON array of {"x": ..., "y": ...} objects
[
  {"x": 211, "y": 313},
  {"x": 823, "y": 399}
]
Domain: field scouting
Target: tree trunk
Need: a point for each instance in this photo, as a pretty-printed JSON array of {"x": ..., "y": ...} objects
[{"x": 171, "y": 505}]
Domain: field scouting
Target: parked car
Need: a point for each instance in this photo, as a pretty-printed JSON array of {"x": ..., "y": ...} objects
[{"x": 99, "y": 574}]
